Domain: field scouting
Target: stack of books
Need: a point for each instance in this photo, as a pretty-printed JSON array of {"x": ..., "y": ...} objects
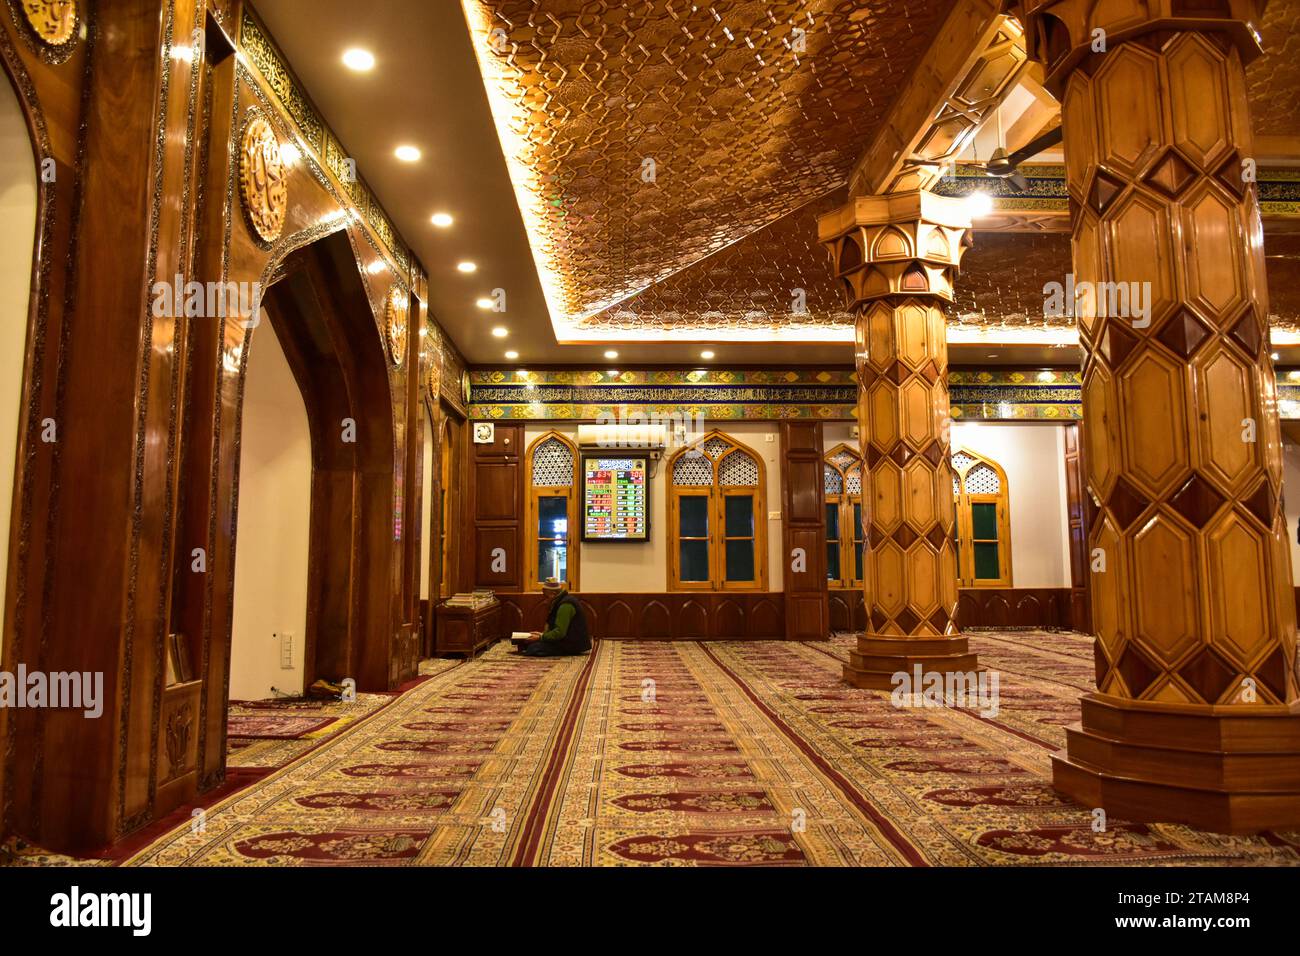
[{"x": 483, "y": 597}]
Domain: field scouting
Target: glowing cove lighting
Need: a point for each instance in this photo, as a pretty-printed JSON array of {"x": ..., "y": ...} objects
[{"x": 500, "y": 84}]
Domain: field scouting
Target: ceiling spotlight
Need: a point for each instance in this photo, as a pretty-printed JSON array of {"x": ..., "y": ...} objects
[
  {"x": 467, "y": 266},
  {"x": 512, "y": 355},
  {"x": 706, "y": 354},
  {"x": 442, "y": 220},
  {"x": 1275, "y": 356},
  {"x": 485, "y": 303},
  {"x": 359, "y": 60},
  {"x": 407, "y": 154},
  {"x": 611, "y": 354},
  {"x": 979, "y": 205},
  {"x": 501, "y": 331}
]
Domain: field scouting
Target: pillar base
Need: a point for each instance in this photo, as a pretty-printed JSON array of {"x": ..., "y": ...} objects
[
  {"x": 877, "y": 659},
  {"x": 1228, "y": 770}
]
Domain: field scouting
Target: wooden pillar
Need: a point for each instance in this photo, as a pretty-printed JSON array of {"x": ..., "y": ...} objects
[
  {"x": 1196, "y": 717},
  {"x": 897, "y": 256}
]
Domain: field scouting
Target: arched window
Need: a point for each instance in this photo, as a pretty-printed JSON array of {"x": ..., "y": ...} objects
[
  {"x": 842, "y": 473},
  {"x": 716, "y": 526},
  {"x": 983, "y": 528},
  {"x": 552, "y": 510}
]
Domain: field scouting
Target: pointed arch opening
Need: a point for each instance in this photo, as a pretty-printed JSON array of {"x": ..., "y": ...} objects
[
  {"x": 983, "y": 527},
  {"x": 845, "y": 541},
  {"x": 717, "y": 535},
  {"x": 552, "y": 477}
]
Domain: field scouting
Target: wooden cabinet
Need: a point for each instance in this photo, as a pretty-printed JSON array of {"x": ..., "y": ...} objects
[{"x": 463, "y": 630}]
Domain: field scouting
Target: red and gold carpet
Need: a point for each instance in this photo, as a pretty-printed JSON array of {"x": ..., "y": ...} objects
[{"x": 721, "y": 754}]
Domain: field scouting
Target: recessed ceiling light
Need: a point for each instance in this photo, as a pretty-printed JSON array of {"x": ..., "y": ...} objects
[
  {"x": 512, "y": 355},
  {"x": 466, "y": 266},
  {"x": 442, "y": 220},
  {"x": 706, "y": 354},
  {"x": 484, "y": 303},
  {"x": 501, "y": 331},
  {"x": 407, "y": 154},
  {"x": 359, "y": 60},
  {"x": 1275, "y": 356},
  {"x": 611, "y": 354}
]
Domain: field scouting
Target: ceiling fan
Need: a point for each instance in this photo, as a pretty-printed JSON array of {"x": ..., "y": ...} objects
[{"x": 1004, "y": 165}]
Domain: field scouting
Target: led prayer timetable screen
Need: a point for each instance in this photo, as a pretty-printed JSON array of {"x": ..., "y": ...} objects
[{"x": 615, "y": 499}]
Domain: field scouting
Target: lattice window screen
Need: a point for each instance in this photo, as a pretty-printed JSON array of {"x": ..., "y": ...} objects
[
  {"x": 843, "y": 459},
  {"x": 738, "y": 469},
  {"x": 960, "y": 460},
  {"x": 693, "y": 471},
  {"x": 715, "y": 447},
  {"x": 853, "y": 480},
  {"x": 552, "y": 464},
  {"x": 834, "y": 483},
  {"x": 982, "y": 480}
]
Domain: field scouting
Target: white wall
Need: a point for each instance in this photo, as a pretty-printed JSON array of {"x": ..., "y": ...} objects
[
  {"x": 642, "y": 568},
  {"x": 1291, "y": 494},
  {"x": 1033, "y": 456},
  {"x": 274, "y": 520},
  {"x": 17, "y": 239}
]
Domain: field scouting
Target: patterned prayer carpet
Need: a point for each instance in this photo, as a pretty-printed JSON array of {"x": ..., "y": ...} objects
[{"x": 719, "y": 754}]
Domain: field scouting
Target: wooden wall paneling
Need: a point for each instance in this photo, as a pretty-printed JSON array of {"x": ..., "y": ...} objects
[
  {"x": 495, "y": 492},
  {"x": 807, "y": 611},
  {"x": 1077, "y": 518},
  {"x": 675, "y": 615}
]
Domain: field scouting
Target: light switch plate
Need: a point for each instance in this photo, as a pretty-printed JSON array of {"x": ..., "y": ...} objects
[
  {"x": 774, "y": 516},
  {"x": 286, "y": 652}
]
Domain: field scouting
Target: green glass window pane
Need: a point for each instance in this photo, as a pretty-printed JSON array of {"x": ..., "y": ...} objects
[
  {"x": 740, "y": 560},
  {"x": 695, "y": 560},
  {"x": 552, "y": 517},
  {"x": 552, "y": 560},
  {"x": 739, "y": 510},
  {"x": 986, "y": 561},
  {"x": 858, "y": 532},
  {"x": 832, "y": 561},
  {"x": 694, "y": 515},
  {"x": 832, "y": 522},
  {"x": 984, "y": 520},
  {"x": 857, "y": 561}
]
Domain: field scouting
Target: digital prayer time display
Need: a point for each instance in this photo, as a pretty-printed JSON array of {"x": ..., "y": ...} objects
[{"x": 615, "y": 499}]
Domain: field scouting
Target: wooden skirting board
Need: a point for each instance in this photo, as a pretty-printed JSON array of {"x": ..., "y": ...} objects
[{"x": 761, "y": 615}]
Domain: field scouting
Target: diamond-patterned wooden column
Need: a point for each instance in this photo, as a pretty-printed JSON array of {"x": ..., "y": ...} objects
[
  {"x": 897, "y": 256},
  {"x": 1197, "y": 717}
]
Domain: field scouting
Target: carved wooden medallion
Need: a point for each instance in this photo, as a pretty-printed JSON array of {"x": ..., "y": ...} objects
[
  {"x": 263, "y": 180},
  {"x": 55, "y": 21},
  {"x": 395, "y": 324}
]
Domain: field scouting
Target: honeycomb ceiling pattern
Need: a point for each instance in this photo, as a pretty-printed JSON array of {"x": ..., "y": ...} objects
[
  {"x": 751, "y": 140},
  {"x": 1273, "y": 80},
  {"x": 748, "y": 111}
]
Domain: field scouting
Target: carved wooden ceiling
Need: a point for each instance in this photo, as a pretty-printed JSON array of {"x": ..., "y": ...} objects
[
  {"x": 672, "y": 156},
  {"x": 738, "y": 112}
]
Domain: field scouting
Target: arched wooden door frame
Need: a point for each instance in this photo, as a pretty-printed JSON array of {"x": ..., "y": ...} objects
[{"x": 319, "y": 310}]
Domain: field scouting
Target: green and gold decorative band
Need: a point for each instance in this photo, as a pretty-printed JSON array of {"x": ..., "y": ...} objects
[{"x": 753, "y": 395}]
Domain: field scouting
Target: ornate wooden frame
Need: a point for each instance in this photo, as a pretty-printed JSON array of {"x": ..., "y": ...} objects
[
  {"x": 717, "y": 503},
  {"x": 844, "y": 533},
  {"x": 965, "y": 531},
  {"x": 531, "y": 495}
]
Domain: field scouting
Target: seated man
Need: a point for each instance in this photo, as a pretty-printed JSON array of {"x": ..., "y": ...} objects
[{"x": 566, "y": 625}]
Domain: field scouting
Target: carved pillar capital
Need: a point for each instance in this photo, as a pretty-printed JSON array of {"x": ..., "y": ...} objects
[
  {"x": 904, "y": 244},
  {"x": 1063, "y": 34}
]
